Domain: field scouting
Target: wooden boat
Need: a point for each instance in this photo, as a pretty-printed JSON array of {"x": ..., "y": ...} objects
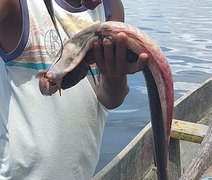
[{"x": 190, "y": 155}]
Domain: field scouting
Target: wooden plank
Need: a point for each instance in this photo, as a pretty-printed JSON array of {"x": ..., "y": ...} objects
[
  {"x": 151, "y": 175},
  {"x": 193, "y": 106},
  {"x": 202, "y": 160},
  {"x": 133, "y": 162},
  {"x": 188, "y": 131},
  {"x": 174, "y": 159},
  {"x": 136, "y": 159},
  {"x": 207, "y": 172}
]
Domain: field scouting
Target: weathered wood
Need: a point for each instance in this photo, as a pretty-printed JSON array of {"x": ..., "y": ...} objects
[
  {"x": 133, "y": 162},
  {"x": 194, "y": 105},
  {"x": 208, "y": 172},
  {"x": 174, "y": 159},
  {"x": 188, "y": 131},
  {"x": 202, "y": 160},
  {"x": 151, "y": 175}
]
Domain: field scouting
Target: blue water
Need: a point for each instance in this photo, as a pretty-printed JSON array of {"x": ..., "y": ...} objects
[{"x": 183, "y": 29}]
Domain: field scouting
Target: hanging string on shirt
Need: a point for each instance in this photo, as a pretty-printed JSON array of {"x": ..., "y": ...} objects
[
  {"x": 50, "y": 9},
  {"x": 91, "y": 4}
]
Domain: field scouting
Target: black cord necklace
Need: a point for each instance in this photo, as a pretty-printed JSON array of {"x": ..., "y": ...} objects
[{"x": 91, "y": 4}]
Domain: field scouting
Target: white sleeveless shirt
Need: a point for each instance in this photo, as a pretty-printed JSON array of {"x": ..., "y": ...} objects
[{"x": 47, "y": 138}]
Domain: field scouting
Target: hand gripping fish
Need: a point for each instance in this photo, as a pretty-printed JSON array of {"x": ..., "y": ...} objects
[{"x": 157, "y": 74}]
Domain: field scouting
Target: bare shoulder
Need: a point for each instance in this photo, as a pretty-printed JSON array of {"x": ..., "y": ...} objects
[{"x": 117, "y": 10}]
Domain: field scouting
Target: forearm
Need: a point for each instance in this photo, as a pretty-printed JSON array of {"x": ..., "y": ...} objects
[{"x": 112, "y": 91}]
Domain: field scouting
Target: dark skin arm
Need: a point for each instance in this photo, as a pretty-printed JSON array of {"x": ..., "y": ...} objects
[{"x": 113, "y": 86}]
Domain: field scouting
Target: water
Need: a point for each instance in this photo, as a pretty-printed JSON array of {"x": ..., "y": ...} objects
[{"x": 183, "y": 29}]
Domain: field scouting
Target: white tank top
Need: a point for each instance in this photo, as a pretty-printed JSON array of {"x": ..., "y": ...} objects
[{"x": 47, "y": 138}]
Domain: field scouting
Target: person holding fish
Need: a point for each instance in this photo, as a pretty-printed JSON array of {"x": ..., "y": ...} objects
[{"x": 57, "y": 137}]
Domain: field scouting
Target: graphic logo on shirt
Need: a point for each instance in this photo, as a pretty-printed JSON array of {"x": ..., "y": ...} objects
[{"x": 52, "y": 43}]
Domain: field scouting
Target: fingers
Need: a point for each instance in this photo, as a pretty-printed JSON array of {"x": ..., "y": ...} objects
[
  {"x": 109, "y": 54},
  {"x": 99, "y": 56},
  {"x": 139, "y": 64},
  {"x": 104, "y": 55},
  {"x": 121, "y": 61},
  {"x": 111, "y": 59},
  {"x": 143, "y": 60}
]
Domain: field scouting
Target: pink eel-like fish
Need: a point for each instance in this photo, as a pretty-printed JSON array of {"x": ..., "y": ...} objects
[{"x": 157, "y": 75}]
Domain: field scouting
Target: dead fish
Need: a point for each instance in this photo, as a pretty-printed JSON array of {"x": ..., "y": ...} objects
[{"x": 157, "y": 74}]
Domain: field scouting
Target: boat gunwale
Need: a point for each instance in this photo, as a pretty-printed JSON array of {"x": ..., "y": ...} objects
[{"x": 182, "y": 101}]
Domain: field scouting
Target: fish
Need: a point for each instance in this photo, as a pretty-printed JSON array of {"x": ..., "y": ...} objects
[{"x": 157, "y": 73}]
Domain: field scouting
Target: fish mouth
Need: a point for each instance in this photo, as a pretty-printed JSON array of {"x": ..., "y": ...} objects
[
  {"x": 47, "y": 87},
  {"x": 47, "y": 84}
]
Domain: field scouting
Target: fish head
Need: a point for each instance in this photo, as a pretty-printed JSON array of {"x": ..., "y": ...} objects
[{"x": 48, "y": 83}]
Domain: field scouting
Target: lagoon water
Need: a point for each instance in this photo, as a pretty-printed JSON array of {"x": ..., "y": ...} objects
[{"x": 183, "y": 30}]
